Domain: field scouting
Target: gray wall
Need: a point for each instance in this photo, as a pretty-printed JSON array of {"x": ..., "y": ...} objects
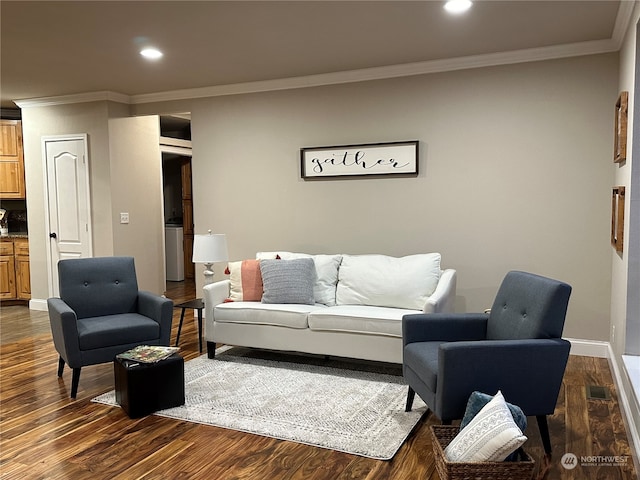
[
  {"x": 90, "y": 118},
  {"x": 136, "y": 188},
  {"x": 125, "y": 176},
  {"x": 515, "y": 173}
]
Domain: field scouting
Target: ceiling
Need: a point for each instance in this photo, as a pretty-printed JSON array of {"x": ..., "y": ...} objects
[{"x": 56, "y": 48}]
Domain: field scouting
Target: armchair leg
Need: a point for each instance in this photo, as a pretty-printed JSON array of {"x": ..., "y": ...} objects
[
  {"x": 60, "y": 366},
  {"x": 543, "y": 426},
  {"x": 411, "y": 394},
  {"x": 211, "y": 350},
  {"x": 75, "y": 379}
]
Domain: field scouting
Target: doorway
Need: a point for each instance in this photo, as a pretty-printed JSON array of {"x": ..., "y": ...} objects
[
  {"x": 175, "y": 145},
  {"x": 68, "y": 216},
  {"x": 178, "y": 214}
]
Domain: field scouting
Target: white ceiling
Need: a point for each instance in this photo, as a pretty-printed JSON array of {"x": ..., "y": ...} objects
[{"x": 56, "y": 48}]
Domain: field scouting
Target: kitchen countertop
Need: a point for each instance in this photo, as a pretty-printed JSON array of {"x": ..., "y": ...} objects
[{"x": 13, "y": 235}]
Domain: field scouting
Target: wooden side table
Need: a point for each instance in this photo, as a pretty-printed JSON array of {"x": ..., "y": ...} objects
[{"x": 198, "y": 305}]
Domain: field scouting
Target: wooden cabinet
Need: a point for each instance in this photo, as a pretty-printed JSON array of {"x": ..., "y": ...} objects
[
  {"x": 23, "y": 275},
  {"x": 11, "y": 160},
  {"x": 7, "y": 271},
  {"x": 15, "y": 279},
  {"x": 187, "y": 219}
]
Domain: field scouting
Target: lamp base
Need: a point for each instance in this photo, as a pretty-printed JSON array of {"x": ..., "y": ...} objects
[{"x": 208, "y": 273}]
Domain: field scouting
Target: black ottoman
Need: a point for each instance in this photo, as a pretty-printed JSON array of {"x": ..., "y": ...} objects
[{"x": 143, "y": 388}]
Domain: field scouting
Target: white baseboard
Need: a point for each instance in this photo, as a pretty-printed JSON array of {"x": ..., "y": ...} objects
[
  {"x": 628, "y": 404},
  {"x": 589, "y": 348},
  {"x": 38, "y": 304},
  {"x": 626, "y": 398}
]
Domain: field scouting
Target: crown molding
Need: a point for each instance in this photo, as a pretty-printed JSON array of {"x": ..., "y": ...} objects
[
  {"x": 625, "y": 12},
  {"x": 595, "y": 47},
  {"x": 392, "y": 71},
  {"x": 74, "y": 98}
]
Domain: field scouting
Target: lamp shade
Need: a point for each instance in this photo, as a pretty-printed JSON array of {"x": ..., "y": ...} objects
[{"x": 210, "y": 248}]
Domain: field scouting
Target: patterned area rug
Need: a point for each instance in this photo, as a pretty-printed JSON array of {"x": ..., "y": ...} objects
[{"x": 337, "y": 405}]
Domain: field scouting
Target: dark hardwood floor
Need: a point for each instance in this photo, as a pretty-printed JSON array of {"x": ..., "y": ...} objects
[{"x": 46, "y": 435}]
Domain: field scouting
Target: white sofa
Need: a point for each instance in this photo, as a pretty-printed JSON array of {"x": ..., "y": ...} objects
[{"x": 355, "y": 310}]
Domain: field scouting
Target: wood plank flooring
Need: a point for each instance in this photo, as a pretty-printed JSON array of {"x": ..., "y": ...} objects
[{"x": 46, "y": 435}]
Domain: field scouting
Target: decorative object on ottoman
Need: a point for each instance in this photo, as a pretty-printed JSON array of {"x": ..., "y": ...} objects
[
  {"x": 143, "y": 388},
  {"x": 442, "y": 435}
]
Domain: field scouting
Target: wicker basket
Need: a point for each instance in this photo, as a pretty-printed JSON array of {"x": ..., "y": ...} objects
[{"x": 442, "y": 436}]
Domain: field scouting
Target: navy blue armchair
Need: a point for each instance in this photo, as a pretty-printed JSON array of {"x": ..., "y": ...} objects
[
  {"x": 101, "y": 313},
  {"x": 516, "y": 348}
]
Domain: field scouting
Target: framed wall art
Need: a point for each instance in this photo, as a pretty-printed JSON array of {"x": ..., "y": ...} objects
[
  {"x": 617, "y": 218},
  {"x": 620, "y": 136},
  {"x": 380, "y": 159}
]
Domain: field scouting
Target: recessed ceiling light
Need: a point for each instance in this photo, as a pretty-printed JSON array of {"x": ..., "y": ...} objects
[
  {"x": 457, "y": 6},
  {"x": 151, "y": 53}
]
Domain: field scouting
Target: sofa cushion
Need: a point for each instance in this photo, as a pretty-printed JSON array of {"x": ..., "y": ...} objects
[
  {"x": 359, "y": 319},
  {"x": 288, "y": 281},
  {"x": 380, "y": 280},
  {"x": 290, "y": 315},
  {"x": 111, "y": 330},
  {"x": 245, "y": 281}
]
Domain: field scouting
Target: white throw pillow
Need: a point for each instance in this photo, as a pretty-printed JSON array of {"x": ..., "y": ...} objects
[
  {"x": 269, "y": 255},
  {"x": 383, "y": 281},
  {"x": 491, "y": 436}
]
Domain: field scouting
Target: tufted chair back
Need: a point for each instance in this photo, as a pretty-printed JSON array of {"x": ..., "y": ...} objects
[
  {"x": 528, "y": 306},
  {"x": 99, "y": 286}
]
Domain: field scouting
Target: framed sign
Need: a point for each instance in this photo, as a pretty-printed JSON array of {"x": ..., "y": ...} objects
[
  {"x": 394, "y": 158},
  {"x": 617, "y": 218},
  {"x": 620, "y": 137}
]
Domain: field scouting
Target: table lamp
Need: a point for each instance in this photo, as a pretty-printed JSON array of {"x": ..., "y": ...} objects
[{"x": 208, "y": 249}]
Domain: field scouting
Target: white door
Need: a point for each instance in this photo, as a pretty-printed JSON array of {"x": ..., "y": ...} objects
[{"x": 69, "y": 222}]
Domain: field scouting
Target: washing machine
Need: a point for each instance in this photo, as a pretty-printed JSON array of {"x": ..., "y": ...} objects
[{"x": 174, "y": 253}]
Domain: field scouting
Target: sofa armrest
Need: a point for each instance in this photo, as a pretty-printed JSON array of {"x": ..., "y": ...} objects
[
  {"x": 444, "y": 327},
  {"x": 64, "y": 330},
  {"x": 528, "y": 372},
  {"x": 159, "y": 309},
  {"x": 442, "y": 299},
  {"x": 214, "y": 294}
]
